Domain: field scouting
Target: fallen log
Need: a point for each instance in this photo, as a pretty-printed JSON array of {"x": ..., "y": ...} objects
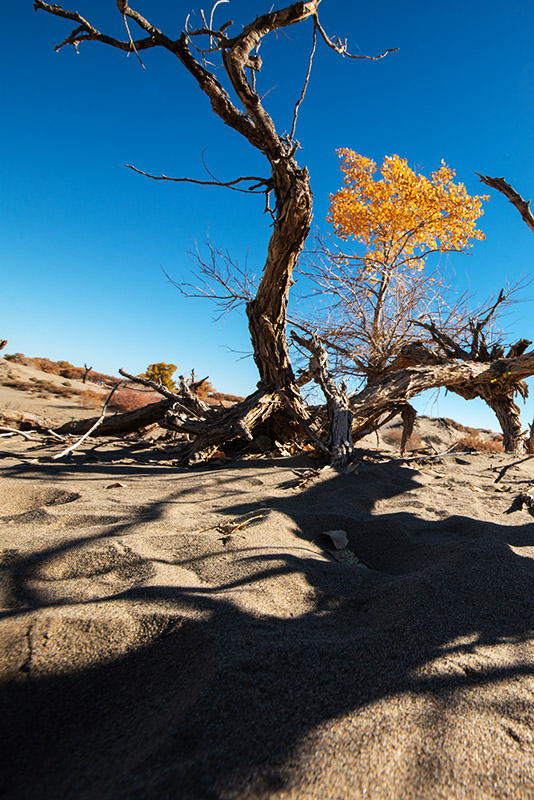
[{"x": 120, "y": 424}]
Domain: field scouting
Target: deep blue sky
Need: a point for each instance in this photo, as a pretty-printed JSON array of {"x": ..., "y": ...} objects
[{"x": 83, "y": 240}]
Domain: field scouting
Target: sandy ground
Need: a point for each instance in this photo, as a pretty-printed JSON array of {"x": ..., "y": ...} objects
[{"x": 189, "y": 633}]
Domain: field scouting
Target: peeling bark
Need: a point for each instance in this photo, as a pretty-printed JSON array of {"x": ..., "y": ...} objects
[{"x": 509, "y": 415}]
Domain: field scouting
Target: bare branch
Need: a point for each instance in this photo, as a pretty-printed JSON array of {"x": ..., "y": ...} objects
[
  {"x": 86, "y": 32},
  {"x": 227, "y": 184},
  {"x": 340, "y": 444},
  {"x": 341, "y": 47},
  {"x": 184, "y": 400},
  {"x": 220, "y": 278},
  {"x": 306, "y": 80},
  {"x": 523, "y": 206}
]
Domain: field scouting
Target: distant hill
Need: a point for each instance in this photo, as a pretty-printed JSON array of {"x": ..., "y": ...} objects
[{"x": 140, "y": 396}]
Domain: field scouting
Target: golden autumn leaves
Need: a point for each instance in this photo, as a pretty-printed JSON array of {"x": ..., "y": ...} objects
[{"x": 402, "y": 217}]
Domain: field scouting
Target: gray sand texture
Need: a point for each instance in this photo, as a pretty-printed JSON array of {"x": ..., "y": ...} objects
[{"x": 189, "y": 634}]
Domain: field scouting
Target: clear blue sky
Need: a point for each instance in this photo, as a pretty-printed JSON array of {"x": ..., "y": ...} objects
[{"x": 83, "y": 240}]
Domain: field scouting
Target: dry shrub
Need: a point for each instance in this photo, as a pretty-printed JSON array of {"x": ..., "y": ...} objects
[
  {"x": 91, "y": 399},
  {"x": 126, "y": 399},
  {"x": 63, "y": 368},
  {"x": 214, "y": 398},
  {"x": 15, "y": 383},
  {"x": 457, "y": 425},
  {"x": 484, "y": 444},
  {"x": 394, "y": 438},
  {"x": 43, "y": 364}
]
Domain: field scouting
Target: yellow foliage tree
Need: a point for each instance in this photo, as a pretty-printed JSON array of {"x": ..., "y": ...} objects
[
  {"x": 402, "y": 217},
  {"x": 396, "y": 220},
  {"x": 161, "y": 373}
]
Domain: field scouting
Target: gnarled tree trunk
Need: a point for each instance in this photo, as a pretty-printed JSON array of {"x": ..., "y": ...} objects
[
  {"x": 267, "y": 313},
  {"x": 509, "y": 416}
]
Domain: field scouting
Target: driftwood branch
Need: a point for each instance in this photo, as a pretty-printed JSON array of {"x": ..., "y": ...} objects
[
  {"x": 505, "y": 469},
  {"x": 91, "y": 430},
  {"x": 22, "y": 420},
  {"x": 522, "y": 205},
  {"x": 120, "y": 424},
  {"x": 468, "y": 378},
  {"x": 6, "y": 431}
]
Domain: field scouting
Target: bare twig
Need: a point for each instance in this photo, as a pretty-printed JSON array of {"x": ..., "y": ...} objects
[
  {"x": 80, "y": 441},
  {"x": 55, "y": 435},
  {"x": 122, "y": 5},
  {"x": 86, "y": 32}
]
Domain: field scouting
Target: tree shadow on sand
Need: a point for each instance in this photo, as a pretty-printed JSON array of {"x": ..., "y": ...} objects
[{"x": 231, "y": 703}]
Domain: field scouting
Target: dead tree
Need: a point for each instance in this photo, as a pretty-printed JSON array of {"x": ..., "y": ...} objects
[
  {"x": 278, "y": 394},
  {"x": 87, "y": 370},
  {"x": 288, "y": 182},
  {"x": 422, "y": 369}
]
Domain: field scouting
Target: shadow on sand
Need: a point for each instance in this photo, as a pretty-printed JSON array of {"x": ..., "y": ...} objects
[{"x": 222, "y": 703}]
